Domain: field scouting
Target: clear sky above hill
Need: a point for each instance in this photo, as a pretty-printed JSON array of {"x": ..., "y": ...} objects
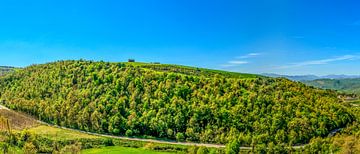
[{"x": 286, "y": 37}]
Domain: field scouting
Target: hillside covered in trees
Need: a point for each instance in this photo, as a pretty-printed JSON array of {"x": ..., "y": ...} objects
[
  {"x": 174, "y": 102},
  {"x": 350, "y": 86}
]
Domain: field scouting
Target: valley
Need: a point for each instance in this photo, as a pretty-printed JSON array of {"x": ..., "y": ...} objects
[{"x": 348, "y": 85}]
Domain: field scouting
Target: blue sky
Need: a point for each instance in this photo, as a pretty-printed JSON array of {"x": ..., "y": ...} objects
[{"x": 287, "y": 37}]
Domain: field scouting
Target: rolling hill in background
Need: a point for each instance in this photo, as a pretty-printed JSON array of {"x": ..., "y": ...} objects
[
  {"x": 310, "y": 77},
  {"x": 350, "y": 86},
  {"x": 174, "y": 102},
  {"x": 294, "y": 78},
  {"x": 5, "y": 69}
]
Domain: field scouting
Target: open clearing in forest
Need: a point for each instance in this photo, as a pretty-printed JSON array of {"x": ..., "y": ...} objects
[
  {"x": 117, "y": 149},
  {"x": 17, "y": 120},
  {"x": 60, "y": 134}
]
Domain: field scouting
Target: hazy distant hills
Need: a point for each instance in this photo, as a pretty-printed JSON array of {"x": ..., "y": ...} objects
[
  {"x": 5, "y": 69},
  {"x": 340, "y": 76},
  {"x": 295, "y": 78},
  {"x": 311, "y": 77},
  {"x": 347, "y": 85},
  {"x": 344, "y": 83}
]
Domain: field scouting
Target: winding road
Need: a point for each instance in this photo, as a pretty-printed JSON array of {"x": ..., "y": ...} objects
[{"x": 155, "y": 140}]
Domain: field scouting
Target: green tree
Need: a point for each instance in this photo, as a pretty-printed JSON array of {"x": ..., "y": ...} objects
[
  {"x": 180, "y": 137},
  {"x": 202, "y": 150},
  {"x": 233, "y": 147}
]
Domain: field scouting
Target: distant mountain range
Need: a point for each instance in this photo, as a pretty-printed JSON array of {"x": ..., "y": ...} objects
[{"x": 311, "y": 77}]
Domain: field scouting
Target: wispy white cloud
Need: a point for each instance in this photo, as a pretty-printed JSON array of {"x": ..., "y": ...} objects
[
  {"x": 238, "y": 62},
  {"x": 319, "y": 62},
  {"x": 234, "y": 63},
  {"x": 249, "y": 55},
  {"x": 241, "y": 60}
]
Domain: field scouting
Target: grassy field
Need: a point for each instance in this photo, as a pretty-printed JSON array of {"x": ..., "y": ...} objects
[
  {"x": 20, "y": 122},
  {"x": 59, "y": 134},
  {"x": 190, "y": 70},
  {"x": 117, "y": 150}
]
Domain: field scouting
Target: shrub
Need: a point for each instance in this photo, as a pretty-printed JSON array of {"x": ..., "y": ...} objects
[
  {"x": 129, "y": 133},
  {"x": 180, "y": 137},
  {"x": 29, "y": 148},
  {"x": 202, "y": 150},
  {"x": 108, "y": 142}
]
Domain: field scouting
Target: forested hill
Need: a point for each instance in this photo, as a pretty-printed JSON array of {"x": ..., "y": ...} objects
[{"x": 173, "y": 102}]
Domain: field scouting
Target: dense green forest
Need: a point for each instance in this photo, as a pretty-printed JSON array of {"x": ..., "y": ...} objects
[
  {"x": 174, "y": 102},
  {"x": 344, "y": 85}
]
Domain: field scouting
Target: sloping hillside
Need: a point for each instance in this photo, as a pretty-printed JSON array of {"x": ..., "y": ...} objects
[
  {"x": 173, "y": 102},
  {"x": 350, "y": 86}
]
